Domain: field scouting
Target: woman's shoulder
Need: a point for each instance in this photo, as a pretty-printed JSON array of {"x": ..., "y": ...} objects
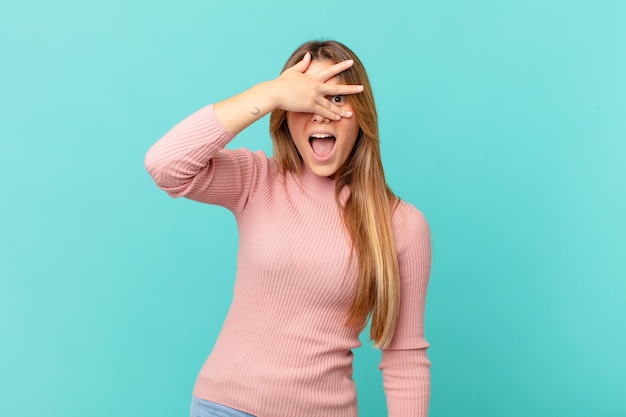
[
  {"x": 409, "y": 223},
  {"x": 406, "y": 212}
]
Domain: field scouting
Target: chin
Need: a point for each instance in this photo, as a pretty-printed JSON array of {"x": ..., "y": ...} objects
[{"x": 323, "y": 171}]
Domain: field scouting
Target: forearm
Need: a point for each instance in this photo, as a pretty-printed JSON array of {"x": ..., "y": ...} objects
[
  {"x": 208, "y": 130},
  {"x": 240, "y": 111},
  {"x": 406, "y": 375}
]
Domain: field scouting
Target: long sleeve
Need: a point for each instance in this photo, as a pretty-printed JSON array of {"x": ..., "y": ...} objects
[
  {"x": 190, "y": 161},
  {"x": 405, "y": 365}
]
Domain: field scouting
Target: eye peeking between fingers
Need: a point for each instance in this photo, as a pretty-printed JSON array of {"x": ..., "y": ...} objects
[{"x": 338, "y": 100}]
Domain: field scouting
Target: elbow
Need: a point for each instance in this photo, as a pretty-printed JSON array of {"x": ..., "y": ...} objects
[
  {"x": 154, "y": 168},
  {"x": 158, "y": 168},
  {"x": 167, "y": 175}
]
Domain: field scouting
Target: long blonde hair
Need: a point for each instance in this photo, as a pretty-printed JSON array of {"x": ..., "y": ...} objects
[{"x": 367, "y": 210}]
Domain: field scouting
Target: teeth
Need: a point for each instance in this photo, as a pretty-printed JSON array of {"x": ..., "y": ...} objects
[{"x": 321, "y": 135}]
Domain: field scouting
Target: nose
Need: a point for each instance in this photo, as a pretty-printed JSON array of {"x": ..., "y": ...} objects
[{"x": 320, "y": 119}]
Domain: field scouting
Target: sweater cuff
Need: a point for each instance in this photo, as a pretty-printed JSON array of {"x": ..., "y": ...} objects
[{"x": 215, "y": 122}]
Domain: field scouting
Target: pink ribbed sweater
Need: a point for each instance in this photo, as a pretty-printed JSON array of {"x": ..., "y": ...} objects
[{"x": 284, "y": 350}]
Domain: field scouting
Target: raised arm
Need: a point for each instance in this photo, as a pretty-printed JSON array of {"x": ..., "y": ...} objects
[{"x": 190, "y": 159}]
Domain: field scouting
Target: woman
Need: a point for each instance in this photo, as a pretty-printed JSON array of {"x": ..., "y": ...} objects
[{"x": 323, "y": 245}]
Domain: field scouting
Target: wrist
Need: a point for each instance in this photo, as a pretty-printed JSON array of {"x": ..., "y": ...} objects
[{"x": 266, "y": 96}]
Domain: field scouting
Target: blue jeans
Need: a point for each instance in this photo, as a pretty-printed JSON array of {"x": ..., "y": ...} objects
[{"x": 204, "y": 408}]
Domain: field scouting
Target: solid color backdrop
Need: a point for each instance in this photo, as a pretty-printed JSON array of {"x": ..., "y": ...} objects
[{"x": 503, "y": 121}]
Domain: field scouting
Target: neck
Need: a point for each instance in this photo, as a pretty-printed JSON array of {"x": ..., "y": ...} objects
[{"x": 323, "y": 186}]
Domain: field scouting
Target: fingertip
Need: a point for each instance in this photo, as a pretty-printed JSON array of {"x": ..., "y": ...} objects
[{"x": 304, "y": 63}]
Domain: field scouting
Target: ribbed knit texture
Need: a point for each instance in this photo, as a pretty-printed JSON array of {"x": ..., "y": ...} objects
[{"x": 284, "y": 349}]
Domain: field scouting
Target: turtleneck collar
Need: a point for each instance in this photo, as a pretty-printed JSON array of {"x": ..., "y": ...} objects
[{"x": 322, "y": 186}]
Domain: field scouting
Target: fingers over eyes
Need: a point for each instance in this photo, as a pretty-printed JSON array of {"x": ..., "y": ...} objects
[{"x": 341, "y": 89}]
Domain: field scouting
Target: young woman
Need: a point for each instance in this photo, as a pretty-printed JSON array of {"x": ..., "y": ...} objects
[{"x": 324, "y": 245}]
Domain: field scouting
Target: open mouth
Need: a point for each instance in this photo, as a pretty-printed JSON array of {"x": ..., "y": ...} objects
[{"x": 322, "y": 144}]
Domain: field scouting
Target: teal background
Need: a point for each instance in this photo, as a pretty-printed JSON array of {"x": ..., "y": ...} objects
[{"x": 503, "y": 121}]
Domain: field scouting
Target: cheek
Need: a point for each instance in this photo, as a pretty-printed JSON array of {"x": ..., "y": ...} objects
[
  {"x": 352, "y": 132},
  {"x": 295, "y": 126},
  {"x": 290, "y": 125}
]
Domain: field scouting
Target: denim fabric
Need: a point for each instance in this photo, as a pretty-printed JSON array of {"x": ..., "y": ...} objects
[{"x": 203, "y": 408}]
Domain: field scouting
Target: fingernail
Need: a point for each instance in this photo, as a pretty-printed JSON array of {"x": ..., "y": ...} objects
[{"x": 348, "y": 114}]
